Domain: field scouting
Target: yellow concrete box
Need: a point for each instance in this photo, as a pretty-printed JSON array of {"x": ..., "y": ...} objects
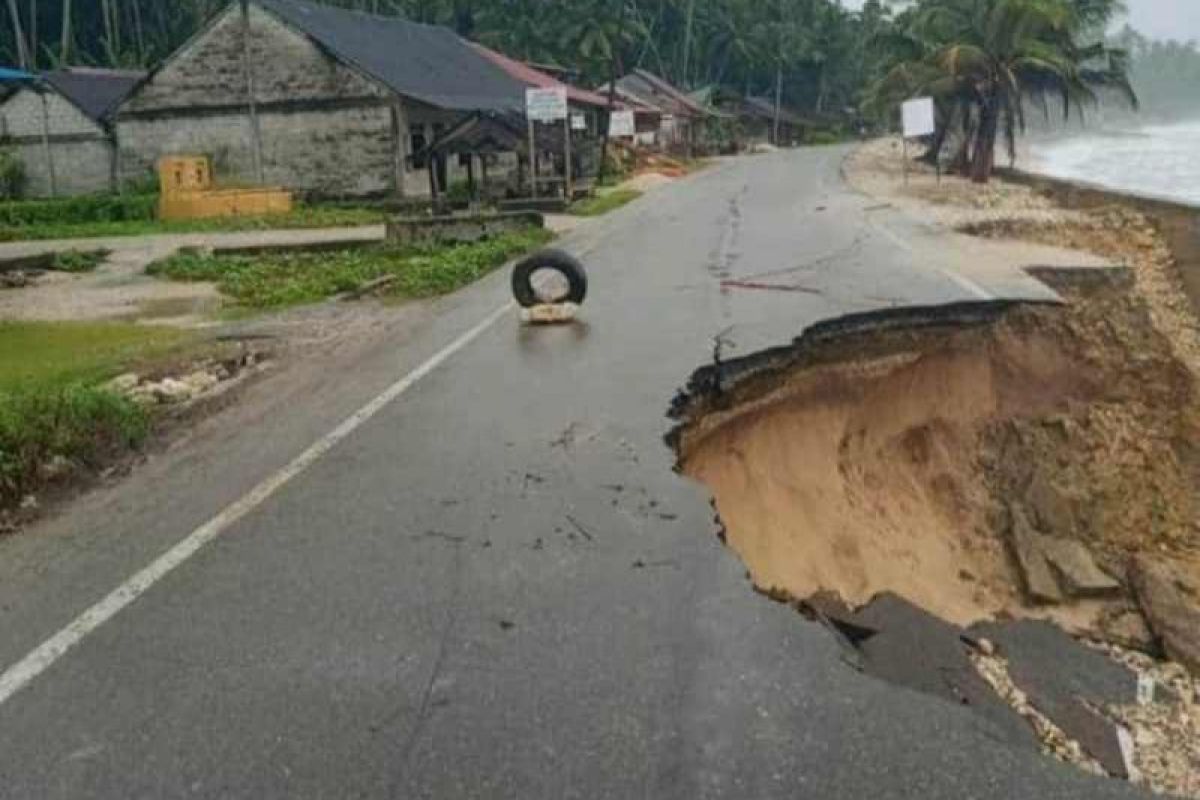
[{"x": 187, "y": 192}]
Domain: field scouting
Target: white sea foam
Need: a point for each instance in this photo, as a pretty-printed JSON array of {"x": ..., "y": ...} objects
[{"x": 1158, "y": 160}]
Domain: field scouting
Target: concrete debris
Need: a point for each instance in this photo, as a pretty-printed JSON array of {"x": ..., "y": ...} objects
[
  {"x": 1036, "y": 575},
  {"x": 1169, "y": 595},
  {"x": 204, "y": 379},
  {"x": 1074, "y": 564}
]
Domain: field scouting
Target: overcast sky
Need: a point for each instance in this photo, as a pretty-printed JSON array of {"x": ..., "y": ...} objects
[{"x": 1159, "y": 19}]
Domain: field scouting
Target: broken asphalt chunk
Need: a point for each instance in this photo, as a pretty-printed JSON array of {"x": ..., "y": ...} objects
[{"x": 1169, "y": 595}]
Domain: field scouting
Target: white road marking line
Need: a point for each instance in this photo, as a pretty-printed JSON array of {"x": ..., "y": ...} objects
[
  {"x": 21, "y": 674},
  {"x": 963, "y": 282}
]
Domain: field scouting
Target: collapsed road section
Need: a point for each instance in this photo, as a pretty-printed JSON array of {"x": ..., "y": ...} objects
[{"x": 995, "y": 503}]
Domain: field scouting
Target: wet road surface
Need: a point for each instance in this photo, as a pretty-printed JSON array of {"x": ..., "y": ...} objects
[{"x": 497, "y": 586}]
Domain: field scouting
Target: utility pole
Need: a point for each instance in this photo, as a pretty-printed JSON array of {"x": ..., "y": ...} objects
[{"x": 252, "y": 104}]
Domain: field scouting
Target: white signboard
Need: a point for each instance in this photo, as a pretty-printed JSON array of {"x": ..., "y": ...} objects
[
  {"x": 622, "y": 124},
  {"x": 546, "y": 105},
  {"x": 918, "y": 117},
  {"x": 578, "y": 122}
]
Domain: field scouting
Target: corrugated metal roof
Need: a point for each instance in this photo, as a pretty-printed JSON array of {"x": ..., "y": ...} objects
[
  {"x": 95, "y": 92},
  {"x": 536, "y": 78},
  {"x": 428, "y": 63}
]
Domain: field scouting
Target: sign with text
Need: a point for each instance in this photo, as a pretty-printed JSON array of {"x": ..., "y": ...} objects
[
  {"x": 578, "y": 122},
  {"x": 918, "y": 117},
  {"x": 622, "y": 124},
  {"x": 546, "y": 105}
]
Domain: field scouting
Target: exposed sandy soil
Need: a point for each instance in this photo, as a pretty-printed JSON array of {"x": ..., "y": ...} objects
[{"x": 884, "y": 461}]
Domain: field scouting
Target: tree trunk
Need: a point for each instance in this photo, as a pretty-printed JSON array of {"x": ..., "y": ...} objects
[
  {"x": 985, "y": 142},
  {"x": 613, "y": 74},
  {"x": 687, "y": 44},
  {"x": 18, "y": 34},
  {"x": 934, "y": 153},
  {"x": 778, "y": 104},
  {"x": 64, "y": 56}
]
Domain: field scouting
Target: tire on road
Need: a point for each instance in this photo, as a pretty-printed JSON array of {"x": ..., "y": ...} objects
[{"x": 558, "y": 261}]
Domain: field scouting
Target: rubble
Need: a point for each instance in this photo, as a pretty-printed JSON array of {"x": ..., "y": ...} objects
[
  {"x": 1169, "y": 595},
  {"x": 202, "y": 380},
  {"x": 1036, "y": 576}
]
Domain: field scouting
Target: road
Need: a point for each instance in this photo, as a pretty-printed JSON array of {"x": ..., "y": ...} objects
[{"x": 496, "y": 585}]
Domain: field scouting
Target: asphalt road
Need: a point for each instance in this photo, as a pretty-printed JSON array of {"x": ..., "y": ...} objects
[{"x": 497, "y": 586}]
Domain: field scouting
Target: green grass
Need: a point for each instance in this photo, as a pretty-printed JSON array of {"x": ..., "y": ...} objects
[
  {"x": 605, "y": 202},
  {"x": 77, "y": 261},
  {"x": 30, "y": 227},
  {"x": 60, "y": 352},
  {"x": 278, "y": 280},
  {"x": 52, "y": 401}
]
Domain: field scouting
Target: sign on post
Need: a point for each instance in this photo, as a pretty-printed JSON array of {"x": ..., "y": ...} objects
[
  {"x": 546, "y": 105},
  {"x": 918, "y": 118},
  {"x": 621, "y": 124}
]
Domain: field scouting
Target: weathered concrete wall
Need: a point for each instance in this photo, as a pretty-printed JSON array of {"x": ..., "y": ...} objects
[
  {"x": 1178, "y": 222},
  {"x": 81, "y": 149},
  {"x": 325, "y": 129}
]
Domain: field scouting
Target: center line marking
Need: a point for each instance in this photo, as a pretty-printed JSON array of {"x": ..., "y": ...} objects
[{"x": 25, "y": 671}]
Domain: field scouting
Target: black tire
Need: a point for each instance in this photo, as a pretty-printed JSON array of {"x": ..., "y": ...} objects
[{"x": 563, "y": 263}]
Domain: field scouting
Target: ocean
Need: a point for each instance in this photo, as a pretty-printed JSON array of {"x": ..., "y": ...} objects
[{"x": 1156, "y": 160}]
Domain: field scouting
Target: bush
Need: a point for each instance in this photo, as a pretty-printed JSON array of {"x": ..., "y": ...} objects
[
  {"x": 75, "y": 210},
  {"x": 75, "y": 421},
  {"x": 13, "y": 179},
  {"x": 277, "y": 280}
]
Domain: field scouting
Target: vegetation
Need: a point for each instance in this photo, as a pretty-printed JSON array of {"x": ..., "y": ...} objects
[
  {"x": 52, "y": 403},
  {"x": 812, "y": 53},
  {"x": 984, "y": 60},
  {"x": 12, "y": 176},
  {"x": 277, "y": 280},
  {"x": 604, "y": 202},
  {"x": 135, "y": 215},
  {"x": 77, "y": 261},
  {"x": 1165, "y": 74}
]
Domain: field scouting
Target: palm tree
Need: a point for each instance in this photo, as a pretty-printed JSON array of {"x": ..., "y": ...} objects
[{"x": 984, "y": 59}]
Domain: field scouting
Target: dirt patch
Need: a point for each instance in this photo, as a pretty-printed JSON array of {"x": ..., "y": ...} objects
[{"x": 889, "y": 460}]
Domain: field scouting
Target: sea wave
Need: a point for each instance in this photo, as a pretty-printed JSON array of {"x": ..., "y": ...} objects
[{"x": 1155, "y": 160}]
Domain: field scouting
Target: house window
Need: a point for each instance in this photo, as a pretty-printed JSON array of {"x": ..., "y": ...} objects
[{"x": 464, "y": 160}]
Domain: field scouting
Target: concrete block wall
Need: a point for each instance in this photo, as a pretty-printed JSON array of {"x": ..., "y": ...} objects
[
  {"x": 326, "y": 130},
  {"x": 82, "y": 151}
]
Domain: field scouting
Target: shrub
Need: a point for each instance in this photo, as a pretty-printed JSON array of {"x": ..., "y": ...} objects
[
  {"x": 74, "y": 210},
  {"x": 76, "y": 421},
  {"x": 13, "y": 179}
]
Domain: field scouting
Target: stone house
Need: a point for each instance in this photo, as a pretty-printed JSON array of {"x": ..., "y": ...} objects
[
  {"x": 60, "y": 129},
  {"x": 324, "y": 101}
]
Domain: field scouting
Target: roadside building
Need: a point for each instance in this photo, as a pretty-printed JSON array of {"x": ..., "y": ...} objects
[
  {"x": 681, "y": 120},
  {"x": 59, "y": 128},
  {"x": 320, "y": 100},
  {"x": 753, "y": 117}
]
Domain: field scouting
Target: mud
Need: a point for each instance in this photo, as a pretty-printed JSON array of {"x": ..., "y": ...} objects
[{"x": 885, "y": 456}]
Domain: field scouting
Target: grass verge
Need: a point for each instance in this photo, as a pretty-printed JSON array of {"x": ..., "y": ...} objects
[
  {"x": 278, "y": 280},
  {"x": 53, "y": 405},
  {"x": 30, "y": 227},
  {"x": 603, "y": 203}
]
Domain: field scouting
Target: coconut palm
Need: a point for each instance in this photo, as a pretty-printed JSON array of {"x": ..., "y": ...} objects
[{"x": 983, "y": 60}]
